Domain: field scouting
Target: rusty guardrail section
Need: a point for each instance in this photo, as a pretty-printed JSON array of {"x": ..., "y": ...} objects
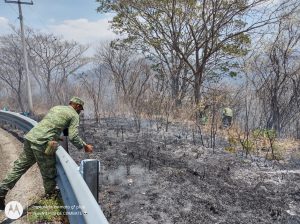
[{"x": 80, "y": 203}]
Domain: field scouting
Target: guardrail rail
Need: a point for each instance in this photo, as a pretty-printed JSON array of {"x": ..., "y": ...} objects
[{"x": 80, "y": 203}]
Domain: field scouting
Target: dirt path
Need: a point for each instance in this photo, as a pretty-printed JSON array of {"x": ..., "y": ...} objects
[{"x": 29, "y": 188}]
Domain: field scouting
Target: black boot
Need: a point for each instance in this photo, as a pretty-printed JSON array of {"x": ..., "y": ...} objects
[{"x": 2, "y": 203}]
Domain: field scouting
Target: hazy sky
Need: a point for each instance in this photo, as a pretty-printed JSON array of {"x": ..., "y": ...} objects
[{"x": 73, "y": 19}]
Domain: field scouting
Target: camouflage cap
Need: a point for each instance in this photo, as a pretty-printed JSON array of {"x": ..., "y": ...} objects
[{"x": 77, "y": 100}]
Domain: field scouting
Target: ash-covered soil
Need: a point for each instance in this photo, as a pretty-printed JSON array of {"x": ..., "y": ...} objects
[{"x": 169, "y": 177}]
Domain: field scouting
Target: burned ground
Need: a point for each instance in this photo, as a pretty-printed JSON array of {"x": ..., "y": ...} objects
[{"x": 168, "y": 177}]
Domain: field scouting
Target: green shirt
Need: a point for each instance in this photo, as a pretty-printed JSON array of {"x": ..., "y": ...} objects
[{"x": 52, "y": 125}]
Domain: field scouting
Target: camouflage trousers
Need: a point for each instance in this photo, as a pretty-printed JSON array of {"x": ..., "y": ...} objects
[{"x": 31, "y": 154}]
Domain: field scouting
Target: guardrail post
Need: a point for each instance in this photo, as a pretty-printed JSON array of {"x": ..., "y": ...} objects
[
  {"x": 89, "y": 169},
  {"x": 64, "y": 142}
]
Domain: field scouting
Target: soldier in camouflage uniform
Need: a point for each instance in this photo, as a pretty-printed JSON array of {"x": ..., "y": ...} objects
[
  {"x": 35, "y": 144},
  {"x": 227, "y": 117}
]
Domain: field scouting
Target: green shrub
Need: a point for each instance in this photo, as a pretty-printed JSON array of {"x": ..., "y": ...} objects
[
  {"x": 230, "y": 149},
  {"x": 276, "y": 153},
  {"x": 257, "y": 133},
  {"x": 248, "y": 145},
  {"x": 47, "y": 210},
  {"x": 232, "y": 141},
  {"x": 271, "y": 134}
]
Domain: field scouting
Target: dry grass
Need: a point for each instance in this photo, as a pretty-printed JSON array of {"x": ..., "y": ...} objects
[{"x": 288, "y": 144}]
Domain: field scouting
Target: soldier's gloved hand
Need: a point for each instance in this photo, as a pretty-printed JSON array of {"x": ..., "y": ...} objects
[{"x": 88, "y": 148}]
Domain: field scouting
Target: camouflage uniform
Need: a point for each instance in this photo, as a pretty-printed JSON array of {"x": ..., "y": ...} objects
[
  {"x": 50, "y": 128},
  {"x": 227, "y": 116}
]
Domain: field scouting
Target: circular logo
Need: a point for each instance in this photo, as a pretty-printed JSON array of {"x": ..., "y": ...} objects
[{"x": 13, "y": 210}]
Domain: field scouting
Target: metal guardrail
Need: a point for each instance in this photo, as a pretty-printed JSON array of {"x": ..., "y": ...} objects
[
  {"x": 17, "y": 120},
  {"x": 80, "y": 203}
]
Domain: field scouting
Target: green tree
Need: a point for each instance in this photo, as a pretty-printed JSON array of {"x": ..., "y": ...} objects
[{"x": 202, "y": 35}]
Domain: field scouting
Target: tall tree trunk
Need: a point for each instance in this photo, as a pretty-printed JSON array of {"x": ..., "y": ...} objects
[
  {"x": 175, "y": 89},
  {"x": 197, "y": 88},
  {"x": 20, "y": 102},
  {"x": 275, "y": 121}
]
